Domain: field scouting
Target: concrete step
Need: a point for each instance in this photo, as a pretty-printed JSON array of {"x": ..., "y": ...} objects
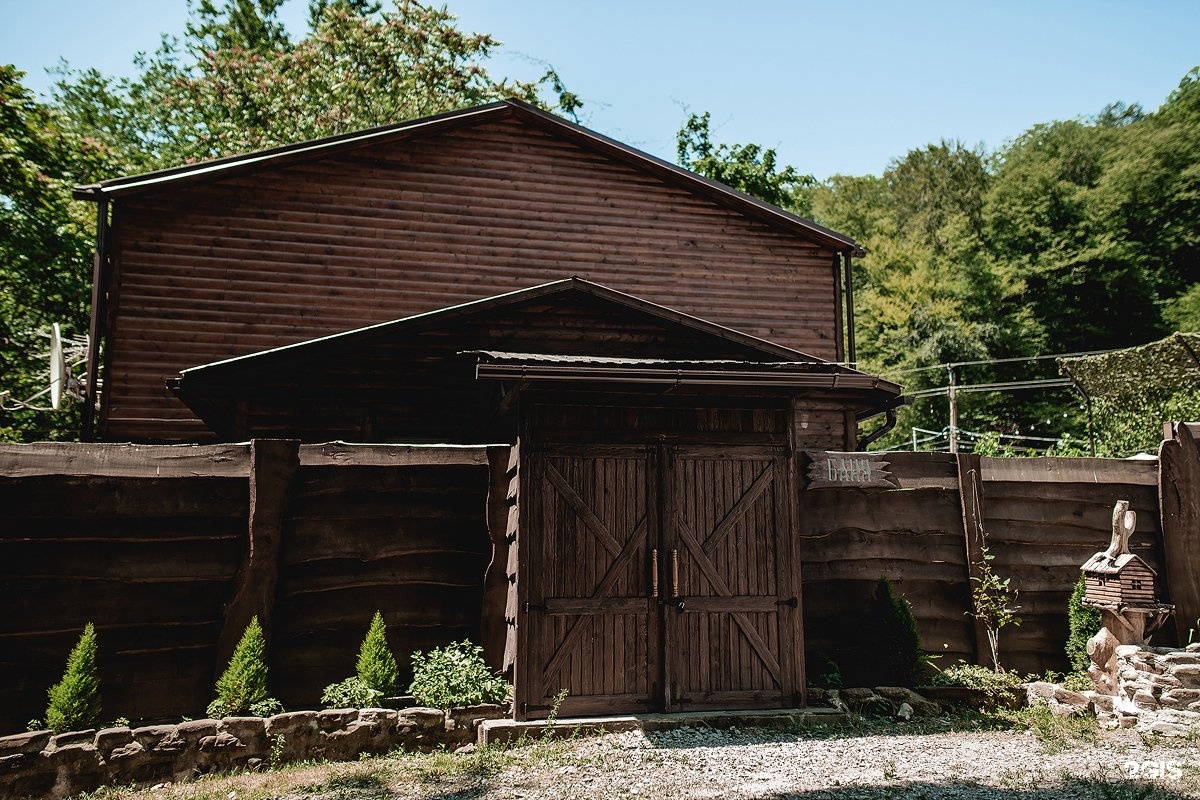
[{"x": 495, "y": 731}]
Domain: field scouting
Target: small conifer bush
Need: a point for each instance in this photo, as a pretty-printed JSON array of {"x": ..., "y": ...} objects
[
  {"x": 455, "y": 675},
  {"x": 376, "y": 665},
  {"x": 1083, "y": 624},
  {"x": 75, "y": 700},
  {"x": 242, "y": 688},
  {"x": 890, "y": 646}
]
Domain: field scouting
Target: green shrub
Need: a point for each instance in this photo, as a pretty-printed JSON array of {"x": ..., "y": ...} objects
[
  {"x": 1084, "y": 623},
  {"x": 974, "y": 676},
  {"x": 455, "y": 675},
  {"x": 376, "y": 664},
  {"x": 893, "y": 647},
  {"x": 75, "y": 700},
  {"x": 350, "y": 693},
  {"x": 242, "y": 688}
]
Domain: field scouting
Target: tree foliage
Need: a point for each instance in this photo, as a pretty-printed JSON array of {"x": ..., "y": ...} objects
[
  {"x": 45, "y": 249},
  {"x": 242, "y": 687},
  {"x": 376, "y": 664},
  {"x": 748, "y": 168},
  {"x": 1077, "y": 235},
  {"x": 75, "y": 700},
  {"x": 233, "y": 81}
]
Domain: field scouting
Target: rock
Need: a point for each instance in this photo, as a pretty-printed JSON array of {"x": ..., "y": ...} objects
[
  {"x": 1168, "y": 728},
  {"x": 110, "y": 739},
  {"x": 465, "y": 749},
  {"x": 1128, "y": 721},
  {"x": 1126, "y": 650},
  {"x": 423, "y": 717},
  {"x": 1176, "y": 657},
  {"x": 149, "y": 736},
  {"x": 1194, "y": 647},
  {"x": 1187, "y": 673},
  {"x": 1145, "y": 699},
  {"x": 905, "y": 711},
  {"x": 1069, "y": 697},
  {"x": 25, "y": 743},
  {"x": 73, "y": 738},
  {"x": 332, "y": 719}
]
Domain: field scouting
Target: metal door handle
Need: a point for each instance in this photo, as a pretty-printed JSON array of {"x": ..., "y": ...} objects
[{"x": 654, "y": 573}]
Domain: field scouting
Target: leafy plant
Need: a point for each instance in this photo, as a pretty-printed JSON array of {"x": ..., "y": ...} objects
[
  {"x": 992, "y": 600},
  {"x": 75, "y": 700},
  {"x": 376, "y": 664},
  {"x": 242, "y": 688},
  {"x": 350, "y": 693},
  {"x": 455, "y": 675},
  {"x": 1083, "y": 623}
]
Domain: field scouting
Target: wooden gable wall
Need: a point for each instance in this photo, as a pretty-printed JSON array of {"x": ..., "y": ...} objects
[{"x": 219, "y": 269}]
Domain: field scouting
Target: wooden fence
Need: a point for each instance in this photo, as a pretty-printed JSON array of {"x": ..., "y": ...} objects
[
  {"x": 1043, "y": 518},
  {"x": 171, "y": 549}
]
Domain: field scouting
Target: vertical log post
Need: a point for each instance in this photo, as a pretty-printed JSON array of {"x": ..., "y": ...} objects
[
  {"x": 493, "y": 630},
  {"x": 273, "y": 465},
  {"x": 970, "y": 490},
  {"x": 1179, "y": 501}
]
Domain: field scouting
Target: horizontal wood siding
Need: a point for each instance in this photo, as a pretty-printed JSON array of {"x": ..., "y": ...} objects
[
  {"x": 241, "y": 265},
  {"x": 410, "y": 542}
]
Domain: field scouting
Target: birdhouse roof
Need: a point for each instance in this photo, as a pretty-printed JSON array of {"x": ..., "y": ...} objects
[{"x": 1102, "y": 564}]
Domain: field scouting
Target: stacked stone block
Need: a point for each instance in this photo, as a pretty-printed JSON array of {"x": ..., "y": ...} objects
[{"x": 42, "y": 765}]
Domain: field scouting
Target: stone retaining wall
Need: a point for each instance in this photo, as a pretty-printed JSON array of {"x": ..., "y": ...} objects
[
  {"x": 42, "y": 765},
  {"x": 1158, "y": 691}
]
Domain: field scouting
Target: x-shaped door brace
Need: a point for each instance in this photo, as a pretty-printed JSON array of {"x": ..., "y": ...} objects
[
  {"x": 611, "y": 576},
  {"x": 700, "y": 553}
]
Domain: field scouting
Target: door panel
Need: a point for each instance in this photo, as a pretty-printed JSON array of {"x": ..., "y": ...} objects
[
  {"x": 728, "y": 622},
  {"x": 593, "y": 628},
  {"x": 724, "y": 627}
]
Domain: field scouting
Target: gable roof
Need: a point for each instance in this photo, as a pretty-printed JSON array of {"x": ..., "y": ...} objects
[
  {"x": 510, "y": 108},
  {"x": 560, "y": 289}
]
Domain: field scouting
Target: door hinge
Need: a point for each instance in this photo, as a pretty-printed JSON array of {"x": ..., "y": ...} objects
[
  {"x": 524, "y": 709},
  {"x": 791, "y": 601},
  {"x": 534, "y": 607}
]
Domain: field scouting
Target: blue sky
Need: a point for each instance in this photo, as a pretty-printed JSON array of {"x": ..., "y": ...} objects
[{"x": 836, "y": 87}]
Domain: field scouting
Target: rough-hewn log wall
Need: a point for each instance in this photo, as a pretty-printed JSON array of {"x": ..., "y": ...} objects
[
  {"x": 235, "y": 266},
  {"x": 150, "y": 544},
  {"x": 410, "y": 542},
  {"x": 1043, "y": 518}
]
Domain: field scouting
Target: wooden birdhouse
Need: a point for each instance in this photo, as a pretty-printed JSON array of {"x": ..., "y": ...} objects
[{"x": 1116, "y": 578}]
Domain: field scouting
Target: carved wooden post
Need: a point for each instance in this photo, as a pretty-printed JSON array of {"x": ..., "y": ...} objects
[
  {"x": 970, "y": 490},
  {"x": 1179, "y": 501},
  {"x": 493, "y": 627},
  {"x": 273, "y": 464}
]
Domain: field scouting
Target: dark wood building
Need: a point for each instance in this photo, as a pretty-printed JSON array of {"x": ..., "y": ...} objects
[
  {"x": 657, "y": 351},
  {"x": 216, "y": 260}
]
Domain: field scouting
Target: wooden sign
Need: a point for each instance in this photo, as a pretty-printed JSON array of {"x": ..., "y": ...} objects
[{"x": 828, "y": 470}]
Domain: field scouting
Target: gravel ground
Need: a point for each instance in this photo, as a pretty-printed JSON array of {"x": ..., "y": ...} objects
[
  {"x": 871, "y": 760},
  {"x": 691, "y": 763}
]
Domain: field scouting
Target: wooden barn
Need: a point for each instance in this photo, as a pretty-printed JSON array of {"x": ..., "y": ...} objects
[{"x": 655, "y": 350}]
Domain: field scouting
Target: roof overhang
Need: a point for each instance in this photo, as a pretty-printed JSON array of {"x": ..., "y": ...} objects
[{"x": 587, "y": 369}]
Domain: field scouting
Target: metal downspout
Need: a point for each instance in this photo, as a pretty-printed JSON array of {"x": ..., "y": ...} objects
[{"x": 95, "y": 332}]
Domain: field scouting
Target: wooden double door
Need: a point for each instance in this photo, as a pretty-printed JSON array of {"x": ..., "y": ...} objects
[{"x": 657, "y": 578}]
